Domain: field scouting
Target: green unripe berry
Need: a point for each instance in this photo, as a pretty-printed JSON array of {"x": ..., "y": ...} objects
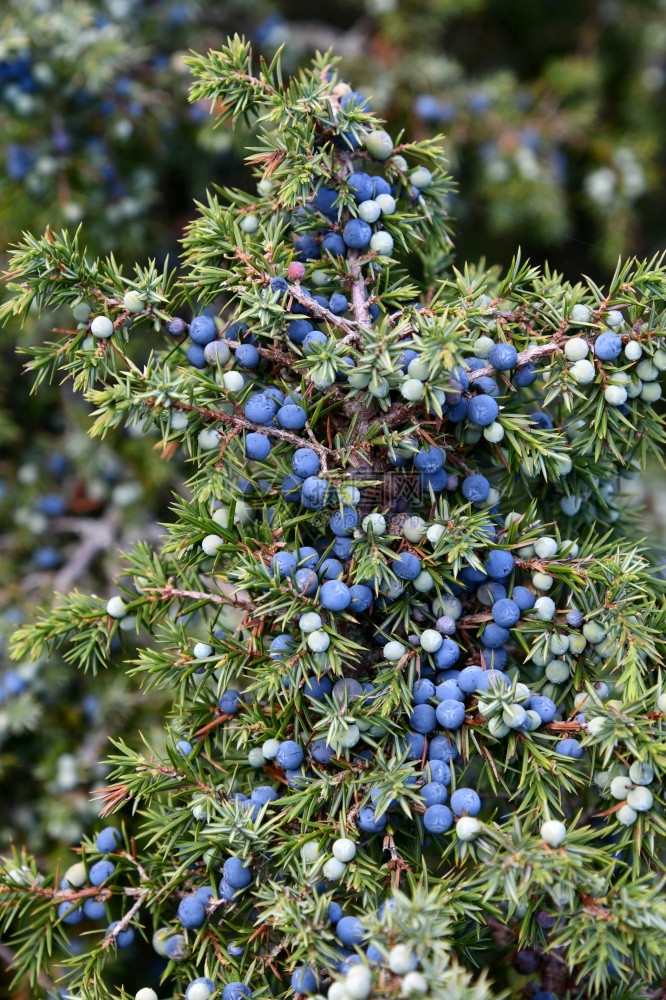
[
  {"x": 133, "y": 301},
  {"x": 414, "y": 528},
  {"x": 369, "y": 211},
  {"x": 615, "y": 395},
  {"x": 557, "y": 671},
  {"x": 580, "y": 314},
  {"x": 626, "y": 815},
  {"x": 583, "y": 372},
  {"x": 249, "y": 224},
  {"x": 333, "y": 870},
  {"x": 651, "y": 392},
  {"x": 594, "y": 632},
  {"x": 421, "y": 177},
  {"x": 379, "y": 144},
  {"x": 387, "y": 203},
  {"x": 116, "y": 607},
  {"x": 412, "y": 390},
  {"x": 575, "y": 349},
  {"x": 553, "y": 832},
  {"x": 641, "y": 799},
  {"x": 382, "y": 243},
  {"x": 101, "y": 327}
]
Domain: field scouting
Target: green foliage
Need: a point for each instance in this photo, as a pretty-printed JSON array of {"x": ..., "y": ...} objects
[{"x": 552, "y": 866}]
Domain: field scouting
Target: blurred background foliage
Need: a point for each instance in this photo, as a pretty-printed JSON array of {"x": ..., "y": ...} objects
[{"x": 552, "y": 119}]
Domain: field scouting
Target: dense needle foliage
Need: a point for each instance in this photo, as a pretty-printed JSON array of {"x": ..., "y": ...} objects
[{"x": 410, "y": 637}]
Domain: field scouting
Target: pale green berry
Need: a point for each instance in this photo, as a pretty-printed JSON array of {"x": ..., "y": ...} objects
[
  {"x": 659, "y": 359},
  {"x": 514, "y": 716},
  {"x": 576, "y": 349},
  {"x": 310, "y": 621},
  {"x": 569, "y": 548},
  {"x": 382, "y": 243},
  {"x": 641, "y": 799},
  {"x": 414, "y": 528},
  {"x": 571, "y": 505},
  {"x": 270, "y": 748},
  {"x": 431, "y": 640},
  {"x": 359, "y": 380},
  {"x": 401, "y": 959},
  {"x": 344, "y": 849},
  {"x": 647, "y": 371},
  {"x": 621, "y": 786},
  {"x": 423, "y": 582},
  {"x": 626, "y": 815},
  {"x": 81, "y": 312},
  {"x": 553, "y": 832},
  {"x": 498, "y": 728},
  {"x": 233, "y": 381},
  {"x": 101, "y": 327},
  {"x": 255, "y": 757},
  {"x": 208, "y": 439},
  {"x": 421, "y": 177},
  {"x": 133, "y": 301},
  {"x": 319, "y": 641},
  {"x": 310, "y": 852},
  {"x": 336, "y": 991},
  {"x": 633, "y": 350},
  {"x": 379, "y": 387},
  {"x": 634, "y": 389},
  {"x": 534, "y": 720},
  {"x": 116, "y": 607},
  {"x": 358, "y": 982},
  {"x": 334, "y": 869},
  {"x": 594, "y": 632},
  {"x": 467, "y": 828},
  {"x": 76, "y": 875},
  {"x": 374, "y": 523},
  {"x": 435, "y": 532},
  {"x": 493, "y": 432},
  {"x": 264, "y": 187},
  {"x": 201, "y": 650},
  {"x": 596, "y": 725},
  {"x": 145, "y": 993},
  {"x": 557, "y": 671},
  {"x": 369, "y": 211},
  {"x": 545, "y": 608},
  {"x": 542, "y": 581},
  {"x": 641, "y": 773},
  {"x": 320, "y": 278},
  {"x": 394, "y": 651},
  {"x": 483, "y": 346},
  {"x": 221, "y": 517},
  {"x": 412, "y": 390},
  {"x": 249, "y": 224},
  {"x": 211, "y": 544},
  {"x": 559, "y": 644},
  {"x": 545, "y": 547},
  {"x": 387, "y": 203},
  {"x": 661, "y": 703},
  {"x": 160, "y": 939},
  {"x": 379, "y": 144},
  {"x": 580, "y": 314},
  {"x": 414, "y": 984},
  {"x": 348, "y": 737},
  {"x": 615, "y": 395},
  {"x": 418, "y": 369},
  {"x": 651, "y": 392},
  {"x": 178, "y": 420},
  {"x": 583, "y": 372},
  {"x": 217, "y": 353}
]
